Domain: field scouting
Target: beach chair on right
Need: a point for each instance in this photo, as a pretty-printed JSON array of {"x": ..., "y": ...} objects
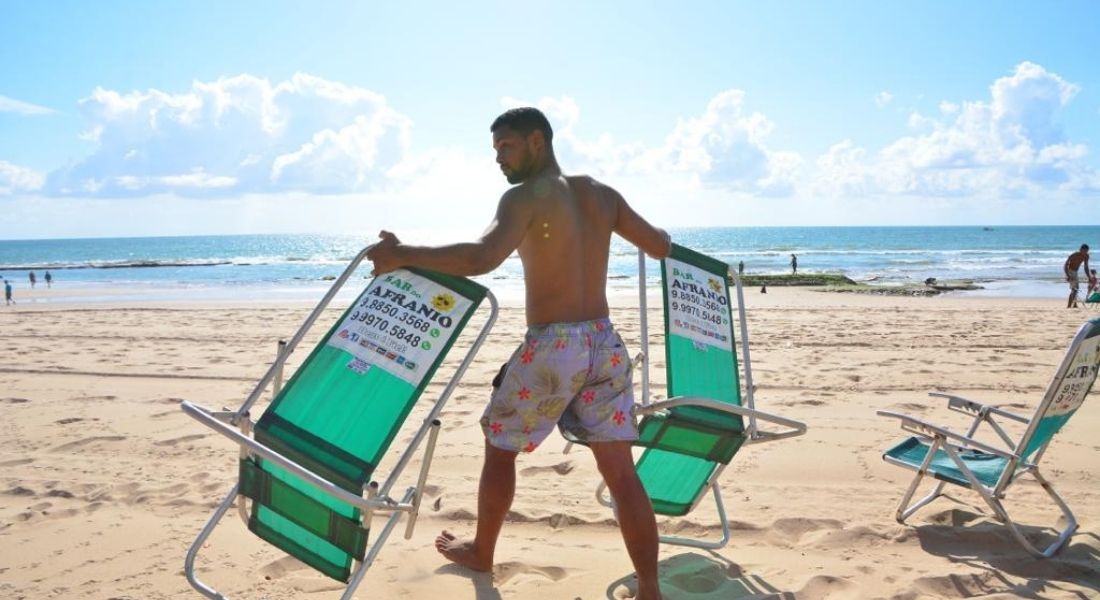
[
  {"x": 1092, "y": 301},
  {"x": 691, "y": 437},
  {"x": 960, "y": 459}
]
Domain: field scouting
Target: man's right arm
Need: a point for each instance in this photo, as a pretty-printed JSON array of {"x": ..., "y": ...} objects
[
  {"x": 503, "y": 235},
  {"x": 654, "y": 241}
]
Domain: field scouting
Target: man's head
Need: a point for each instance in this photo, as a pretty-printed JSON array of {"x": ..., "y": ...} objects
[
  {"x": 1084, "y": 248},
  {"x": 523, "y": 140}
]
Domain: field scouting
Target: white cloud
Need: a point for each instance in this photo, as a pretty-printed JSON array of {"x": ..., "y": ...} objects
[
  {"x": 14, "y": 178},
  {"x": 22, "y": 108},
  {"x": 1007, "y": 145},
  {"x": 883, "y": 98},
  {"x": 237, "y": 135},
  {"x": 722, "y": 148}
]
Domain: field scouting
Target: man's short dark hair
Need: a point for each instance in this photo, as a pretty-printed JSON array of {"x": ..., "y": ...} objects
[
  {"x": 1084, "y": 247},
  {"x": 525, "y": 120}
]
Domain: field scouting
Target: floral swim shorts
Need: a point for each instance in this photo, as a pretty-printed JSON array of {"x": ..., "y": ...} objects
[{"x": 574, "y": 375}]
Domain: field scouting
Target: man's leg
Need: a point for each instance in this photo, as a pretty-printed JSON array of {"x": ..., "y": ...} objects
[
  {"x": 494, "y": 497},
  {"x": 636, "y": 519}
]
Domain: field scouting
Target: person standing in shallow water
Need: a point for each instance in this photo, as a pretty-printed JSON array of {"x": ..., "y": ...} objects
[
  {"x": 32, "y": 278},
  {"x": 1074, "y": 262},
  {"x": 794, "y": 265},
  {"x": 49, "y": 279},
  {"x": 561, "y": 226}
]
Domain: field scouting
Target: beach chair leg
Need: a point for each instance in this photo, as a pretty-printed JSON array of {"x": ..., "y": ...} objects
[
  {"x": 429, "y": 451},
  {"x": 905, "y": 510},
  {"x": 703, "y": 544},
  {"x": 368, "y": 560},
  {"x": 605, "y": 499},
  {"x": 193, "y": 551},
  {"x": 1063, "y": 535}
]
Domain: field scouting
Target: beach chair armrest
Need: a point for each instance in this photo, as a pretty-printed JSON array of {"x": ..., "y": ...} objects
[
  {"x": 724, "y": 407},
  {"x": 926, "y": 429},
  {"x": 959, "y": 404},
  {"x": 321, "y": 484}
]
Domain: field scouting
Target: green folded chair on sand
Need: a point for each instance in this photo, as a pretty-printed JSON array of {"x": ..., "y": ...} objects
[
  {"x": 689, "y": 438},
  {"x": 1093, "y": 301},
  {"x": 959, "y": 459},
  {"x": 307, "y": 466}
]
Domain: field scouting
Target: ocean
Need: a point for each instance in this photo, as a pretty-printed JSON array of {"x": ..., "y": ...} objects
[{"x": 1024, "y": 261}]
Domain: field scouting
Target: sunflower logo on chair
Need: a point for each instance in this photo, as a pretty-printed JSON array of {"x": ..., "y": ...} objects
[
  {"x": 714, "y": 285},
  {"x": 443, "y": 302}
]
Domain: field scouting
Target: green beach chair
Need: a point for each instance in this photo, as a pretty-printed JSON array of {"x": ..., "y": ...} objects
[
  {"x": 307, "y": 466},
  {"x": 689, "y": 438},
  {"x": 961, "y": 460},
  {"x": 1092, "y": 301}
]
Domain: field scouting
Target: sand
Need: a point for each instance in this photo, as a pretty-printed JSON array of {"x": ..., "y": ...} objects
[{"x": 104, "y": 482}]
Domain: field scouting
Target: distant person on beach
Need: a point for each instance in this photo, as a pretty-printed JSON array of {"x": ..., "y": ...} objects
[
  {"x": 741, "y": 267},
  {"x": 1093, "y": 284},
  {"x": 7, "y": 292},
  {"x": 561, "y": 226},
  {"x": 1073, "y": 262},
  {"x": 49, "y": 279},
  {"x": 794, "y": 264},
  {"x": 32, "y": 278}
]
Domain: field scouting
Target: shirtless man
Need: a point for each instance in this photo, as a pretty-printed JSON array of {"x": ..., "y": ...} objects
[
  {"x": 1072, "y": 263},
  {"x": 562, "y": 228}
]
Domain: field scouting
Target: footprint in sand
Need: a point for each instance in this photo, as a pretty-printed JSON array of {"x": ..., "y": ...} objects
[
  {"x": 282, "y": 567},
  {"x": 562, "y": 468},
  {"x": 961, "y": 586},
  {"x": 692, "y": 576},
  {"x": 504, "y": 572},
  {"x": 832, "y": 588},
  {"x": 179, "y": 440},
  {"x": 88, "y": 441}
]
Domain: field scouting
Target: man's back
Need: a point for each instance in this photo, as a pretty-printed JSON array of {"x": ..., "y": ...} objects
[
  {"x": 565, "y": 248},
  {"x": 1074, "y": 261}
]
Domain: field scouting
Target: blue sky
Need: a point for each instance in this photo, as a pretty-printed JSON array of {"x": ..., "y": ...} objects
[{"x": 156, "y": 118}]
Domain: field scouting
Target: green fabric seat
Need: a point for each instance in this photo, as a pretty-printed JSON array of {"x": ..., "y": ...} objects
[{"x": 987, "y": 468}]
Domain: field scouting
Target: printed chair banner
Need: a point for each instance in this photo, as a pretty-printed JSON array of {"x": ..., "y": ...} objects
[
  {"x": 698, "y": 304},
  {"x": 400, "y": 324}
]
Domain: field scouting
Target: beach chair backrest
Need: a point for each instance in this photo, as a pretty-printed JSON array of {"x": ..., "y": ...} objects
[
  {"x": 686, "y": 447},
  {"x": 339, "y": 412},
  {"x": 699, "y": 345},
  {"x": 1067, "y": 390}
]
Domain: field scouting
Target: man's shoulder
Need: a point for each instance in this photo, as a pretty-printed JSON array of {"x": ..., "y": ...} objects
[{"x": 584, "y": 180}]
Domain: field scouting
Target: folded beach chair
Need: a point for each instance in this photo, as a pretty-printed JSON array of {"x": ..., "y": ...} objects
[
  {"x": 990, "y": 470},
  {"x": 689, "y": 438},
  {"x": 1092, "y": 301},
  {"x": 306, "y": 464}
]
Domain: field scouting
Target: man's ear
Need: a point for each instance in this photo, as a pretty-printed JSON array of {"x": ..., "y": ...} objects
[{"x": 536, "y": 140}]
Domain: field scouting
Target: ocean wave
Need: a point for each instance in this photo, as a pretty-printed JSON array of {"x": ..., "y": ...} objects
[{"x": 134, "y": 264}]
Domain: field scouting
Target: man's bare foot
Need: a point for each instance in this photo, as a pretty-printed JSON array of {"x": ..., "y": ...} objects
[{"x": 462, "y": 552}]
